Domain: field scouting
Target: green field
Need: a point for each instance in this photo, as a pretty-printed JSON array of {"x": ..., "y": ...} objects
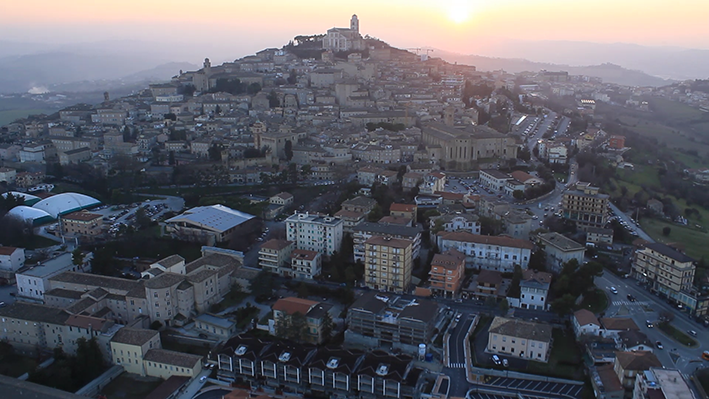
[
  {"x": 694, "y": 240},
  {"x": 9, "y": 116}
]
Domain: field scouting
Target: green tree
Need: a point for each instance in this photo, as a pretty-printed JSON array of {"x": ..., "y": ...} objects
[
  {"x": 171, "y": 158},
  {"x": 273, "y": 100},
  {"x": 77, "y": 257},
  {"x": 326, "y": 327},
  {"x": 141, "y": 218},
  {"x": 288, "y": 150},
  {"x": 292, "y": 77},
  {"x": 563, "y": 305},
  {"x": 253, "y": 88},
  {"x": 215, "y": 152},
  {"x": 303, "y": 291},
  {"x": 262, "y": 285},
  {"x": 666, "y": 231},
  {"x": 518, "y": 194},
  {"x": 375, "y": 214}
]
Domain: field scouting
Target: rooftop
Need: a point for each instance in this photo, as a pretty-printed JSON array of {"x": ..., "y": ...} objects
[
  {"x": 619, "y": 323},
  {"x": 585, "y": 317},
  {"x": 389, "y": 242},
  {"x": 215, "y": 320},
  {"x": 638, "y": 361},
  {"x": 34, "y": 312},
  {"x": 276, "y": 244},
  {"x": 521, "y": 329},
  {"x": 668, "y": 252},
  {"x": 388, "y": 229},
  {"x": 450, "y": 259},
  {"x": 487, "y": 240},
  {"x": 292, "y": 305},
  {"x": 173, "y": 358},
  {"x": 94, "y": 280},
  {"x": 134, "y": 336},
  {"x": 560, "y": 242},
  {"x": 218, "y": 218},
  {"x": 51, "y": 266}
]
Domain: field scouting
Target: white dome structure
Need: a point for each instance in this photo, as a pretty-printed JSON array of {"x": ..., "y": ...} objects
[
  {"x": 64, "y": 203},
  {"x": 29, "y": 198},
  {"x": 37, "y": 216}
]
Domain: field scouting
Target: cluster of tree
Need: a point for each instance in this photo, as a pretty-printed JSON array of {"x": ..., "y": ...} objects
[
  {"x": 295, "y": 327},
  {"x": 69, "y": 373},
  {"x": 392, "y": 127},
  {"x": 573, "y": 281},
  {"x": 234, "y": 202},
  {"x": 256, "y": 152},
  {"x": 288, "y": 175},
  {"x": 235, "y": 86},
  {"x": 471, "y": 91}
]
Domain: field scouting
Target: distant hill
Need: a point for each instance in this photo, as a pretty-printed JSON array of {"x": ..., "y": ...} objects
[{"x": 608, "y": 72}]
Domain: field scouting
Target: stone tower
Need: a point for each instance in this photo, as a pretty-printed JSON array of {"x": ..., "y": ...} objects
[
  {"x": 106, "y": 97},
  {"x": 207, "y": 66},
  {"x": 354, "y": 23},
  {"x": 449, "y": 116}
]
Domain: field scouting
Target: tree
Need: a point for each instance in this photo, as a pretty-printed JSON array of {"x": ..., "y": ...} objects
[
  {"x": 375, "y": 214},
  {"x": 326, "y": 327},
  {"x": 563, "y": 305},
  {"x": 215, "y": 152},
  {"x": 218, "y": 110},
  {"x": 288, "y": 150},
  {"x": 262, "y": 285},
  {"x": 253, "y": 88},
  {"x": 273, "y": 100},
  {"x": 171, "y": 158},
  {"x": 77, "y": 257},
  {"x": 666, "y": 231},
  {"x": 518, "y": 194},
  {"x": 170, "y": 116},
  {"x": 303, "y": 291},
  {"x": 292, "y": 77},
  {"x": 141, "y": 218}
]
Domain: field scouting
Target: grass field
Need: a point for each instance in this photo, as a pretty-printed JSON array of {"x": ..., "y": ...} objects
[
  {"x": 694, "y": 240},
  {"x": 641, "y": 175},
  {"x": 565, "y": 360}
]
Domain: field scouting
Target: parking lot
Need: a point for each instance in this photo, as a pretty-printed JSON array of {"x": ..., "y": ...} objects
[{"x": 539, "y": 387}]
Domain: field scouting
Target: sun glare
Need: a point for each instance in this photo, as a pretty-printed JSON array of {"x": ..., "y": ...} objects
[{"x": 459, "y": 10}]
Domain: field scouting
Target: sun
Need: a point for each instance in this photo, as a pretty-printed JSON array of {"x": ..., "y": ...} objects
[{"x": 459, "y": 10}]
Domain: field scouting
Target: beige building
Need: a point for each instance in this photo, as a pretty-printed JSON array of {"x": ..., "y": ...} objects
[
  {"x": 81, "y": 223},
  {"x": 560, "y": 250},
  {"x": 7, "y": 175},
  {"x": 274, "y": 255},
  {"x": 585, "y": 206},
  {"x": 305, "y": 264},
  {"x": 285, "y": 199},
  {"x": 74, "y": 156},
  {"x": 314, "y": 312},
  {"x": 665, "y": 269},
  {"x": 461, "y": 148},
  {"x": 598, "y": 235},
  {"x": 164, "y": 364},
  {"x": 108, "y": 116},
  {"x": 388, "y": 263},
  {"x": 130, "y": 345},
  {"x": 628, "y": 365},
  {"x": 523, "y": 339}
]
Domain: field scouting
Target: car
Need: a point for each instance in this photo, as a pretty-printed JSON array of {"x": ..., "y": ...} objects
[
  {"x": 496, "y": 360},
  {"x": 203, "y": 378},
  {"x": 505, "y": 363},
  {"x": 614, "y": 290},
  {"x": 3, "y": 304},
  {"x": 457, "y": 317},
  {"x": 658, "y": 344},
  {"x": 631, "y": 298},
  {"x": 692, "y": 333}
]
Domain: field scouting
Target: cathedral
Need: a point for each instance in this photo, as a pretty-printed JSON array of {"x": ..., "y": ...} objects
[{"x": 344, "y": 39}]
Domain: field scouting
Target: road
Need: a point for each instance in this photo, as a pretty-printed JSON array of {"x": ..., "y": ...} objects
[
  {"x": 456, "y": 342},
  {"x": 648, "y": 307},
  {"x": 629, "y": 221}
]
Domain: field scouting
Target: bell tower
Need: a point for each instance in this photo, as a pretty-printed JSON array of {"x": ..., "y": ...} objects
[
  {"x": 354, "y": 23},
  {"x": 207, "y": 66}
]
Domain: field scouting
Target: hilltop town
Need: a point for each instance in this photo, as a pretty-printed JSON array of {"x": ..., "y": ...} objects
[{"x": 341, "y": 218}]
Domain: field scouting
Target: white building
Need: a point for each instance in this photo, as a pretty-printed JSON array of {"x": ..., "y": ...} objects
[
  {"x": 488, "y": 252},
  {"x": 344, "y": 39},
  {"x": 519, "y": 338},
  {"x": 494, "y": 179},
  {"x": 534, "y": 290},
  {"x": 315, "y": 232},
  {"x": 585, "y": 323},
  {"x": 305, "y": 264},
  {"x": 557, "y": 154},
  {"x": 11, "y": 258},
  {"x": 560, "y": 250},
  {"x": 456, "y": 222},
  {"x": 34, "y": 282}
]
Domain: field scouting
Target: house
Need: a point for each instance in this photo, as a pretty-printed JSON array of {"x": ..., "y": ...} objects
[
  {"x": 519, "y": 338},
  {"x": 597, "y": 235},
  {"x": 275, "y": 254},
  {"x": 628, "y": 365},
  {"x": 367, "y": 175},
  {"x": 403, "y": 210},
  {"x": 387, "y": 177},
  {"x": 215, "y": 325},
  {"x": 12, "y": 258},
  {"x": 350, "y": 219},
  {"x": 312, "y": 314},
  {"x": 633, "y": 341},
  {"x": 612, "y": 326},
  {"x": 359, "y": 204},
  {"x": 585, "y": 322},
  {"x": 605, "y": 383},
  {"x": 488, "y": 252},
  {"x": 447, "y": 273},
  {"x": 304, "y": 264},
  {"x": 162, "y": 363},
  {"x": 283, "y": 198},
  {"x": 560, "y": 250},
  {"x": 455, "y": 222},
  {"x": 534, "y": 290},
  {"x": 487, "y": 283},
  {"x": 525, "y": 178}
]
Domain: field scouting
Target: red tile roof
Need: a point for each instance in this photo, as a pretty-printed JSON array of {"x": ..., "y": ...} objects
[
  {"x": 7, "y": 250},
  {"x": 488, "y": 240},
  {"x": 402, "y": 207},
  {"x": 293, "y": 305}
]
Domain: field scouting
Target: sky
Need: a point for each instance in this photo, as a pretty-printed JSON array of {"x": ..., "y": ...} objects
[{"x": 464, "y": 26}]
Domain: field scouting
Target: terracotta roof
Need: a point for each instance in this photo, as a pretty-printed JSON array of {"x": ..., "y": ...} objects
[
  {"x": 450, "y": 259},
  {"x": 522, "y": 176},
  {"x": 303, "y": 254},
  {"x": 619, "y": 323},
  {"x": 402, "y": 207},
  {"x": 276, "y": 244},
  {"x": 7, "y": 250},
  {"x": 134, "y": 336},
  {"x": 173, "y": 358},
  {"x": 343, "y": 214},
  {"x": 293, "y": 305},
  {"x": 521, "y": 329},
  {"x": 487, "y": 240},
  {"x": 608, "y": 377},
  {"x": 638, "y": 361},
  {"x": 87, "y": 322},
  {"x": 490, "y": 276},
  {"x": 585, "y": 317},
  {"x": 450, "y": 196},
  {"x": 284, "y": 195},
  {"x": 82, "y": 216},
  {"x": 542, "y": 277}
]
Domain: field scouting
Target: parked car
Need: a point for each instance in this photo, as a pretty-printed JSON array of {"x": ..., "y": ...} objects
[
  {"x": 505, "y": 363},
  {"x": 496, "y": 360},
  {"x": 658, "y": 344}
]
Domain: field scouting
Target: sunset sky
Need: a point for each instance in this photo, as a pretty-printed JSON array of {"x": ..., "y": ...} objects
[{"x": 465, "y": 26}]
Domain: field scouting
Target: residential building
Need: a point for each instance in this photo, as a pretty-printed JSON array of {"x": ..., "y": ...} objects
[
  {"x": 454, "y": 222},
  {"x": 585, "y": 322},
  {"x": 526, "y": 178},
  {"x": 447, "y": 273},
  {"x": 633, "y": 341},
  {"x": 407, "y": 211},
  {"x": 388, "y": 263},
  {"x": 367, "y": 175},
  {"x": 366, "y": 230},
  {"x": 596, "y": 235},
  {"x": 274, "y": 255},
  {"x": 81, "y": 224},
  {"x": 517, "y": 224},
  {"x": 8, "y": 175},
  {"x": 488, "y": 252},
  {"x": 379, "y": 319},
  {"x": 210, "y": 224},
  {"x": 628, "y": 365},
  {"x": 585, "y": 206},
  {"x": 605, "y": 383},
  {"x": 560, "y": 250},
  {"x": 75, "y": 156},
  {"x": 494, "y": 179},
  {"x": 332, "y": 370},
  {"x": 284, "y": 199},
  {"x": 162, "y": 363},
  {"x": 350, "y": 219},
  {"x": 616, "y": 142},
  {"x": 432, "y": 183},
  {"x": 216, "y": 326},
  {"x": 315, "y": 232},
  {"x": 519, "y": 338},
  {"x": 534, "y": 290},
  {"x": 12, "y": 258},
  {"x": 659, "y": 382},
  {"x": 485, "y": 284},
  {"x": 109, "y": 116},
  {"x": 34, "y": 282},
  {"x": 359, "y": 204},
  {"x": 312, "y": 313},
  {"x": 557, "y": 154},
  {"x": 666, "y": 271},
  {"x": 305, "y": 264},
  {"x": 613, "y": 326}
]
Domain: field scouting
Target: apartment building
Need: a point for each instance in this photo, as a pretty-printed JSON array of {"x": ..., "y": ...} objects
[
  {"x": 304, "y": 264},
  {"x": 534, "y": 290},
  {"x": 487, "y": 252},
  {"x": 585, "y": 205},
  {"x": 359, "y": 204},
  {"x": 523, "y": 339},
  {"x": 447, "y": 273},
  {"x": 388, "y": 263},
  {"x": 274, "y": 255},
  {"x": 560, "y": 250},
  {"x": 666, "y": 270},
  {"x": 315, "y": 232},
  {"x": 81, "y": 224},
  {"x": 455, "y": 222},
  {"x": 366, "y": 230},
  {"x": 407, "y": 211},
  {"x": 628, "y": 365},
  {"x": 380, "y": 319},
  {"x": 660, "y": 382},
  {"x": 313, "y": 314}
]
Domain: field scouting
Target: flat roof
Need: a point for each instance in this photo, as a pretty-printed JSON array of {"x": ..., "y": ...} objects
[
  {"x": 50, "y": 267},
  {"x": 214, "y": 217}
]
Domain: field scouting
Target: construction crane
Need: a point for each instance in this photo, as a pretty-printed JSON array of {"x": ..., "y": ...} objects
[{"x": 418, "y": 50}]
